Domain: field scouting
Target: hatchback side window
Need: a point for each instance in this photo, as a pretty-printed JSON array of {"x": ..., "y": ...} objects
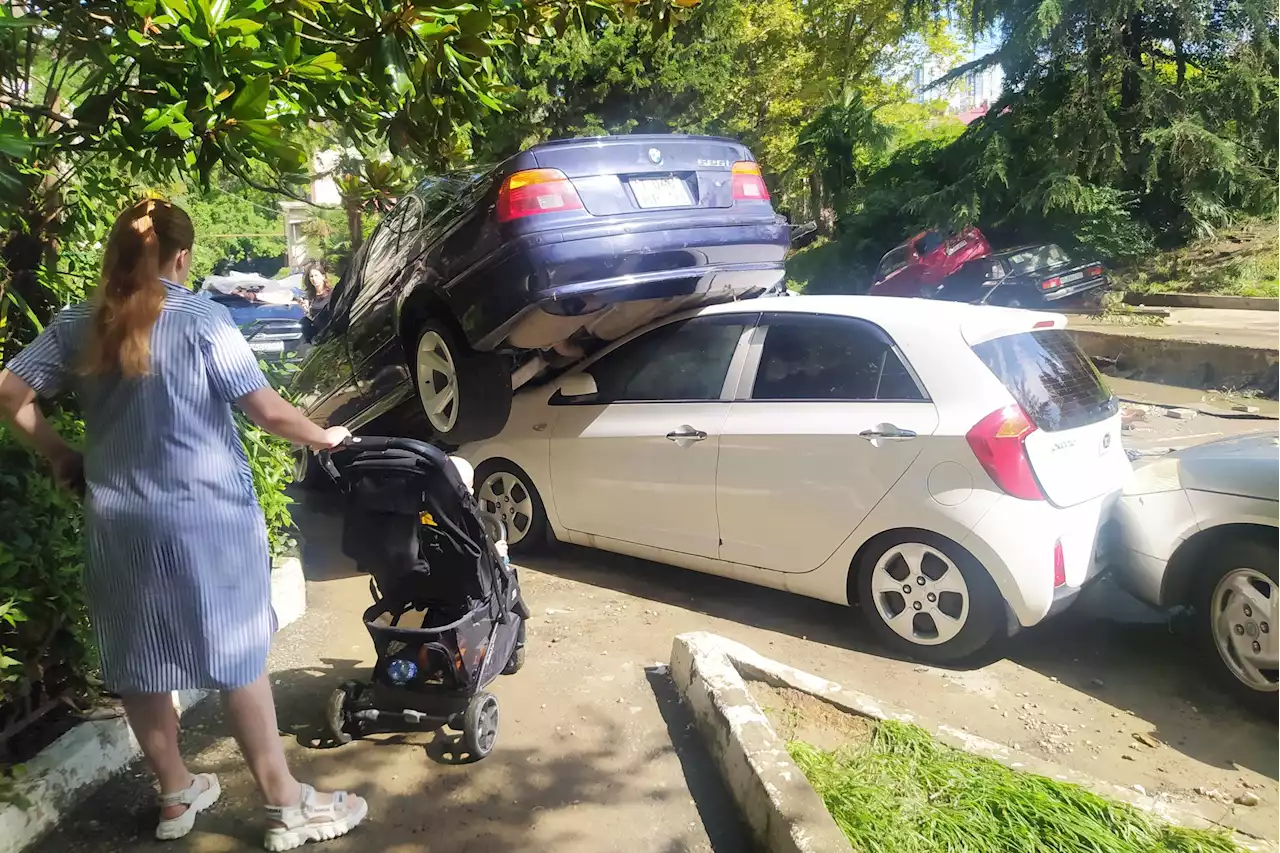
[
  {"x": 684, "y": 361},
  {"x": 830, "y": 358}
]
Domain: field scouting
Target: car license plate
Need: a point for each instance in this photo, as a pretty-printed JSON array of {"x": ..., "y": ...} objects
[
  {"x": 266, "y": 346},
  {"x": 1075, "y": 276},
  {"x": 661, "y": 192}
]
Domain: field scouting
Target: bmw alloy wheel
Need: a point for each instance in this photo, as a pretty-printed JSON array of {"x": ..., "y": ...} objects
[
  {"x": 437, "y": 382},
  {"x": 920, "y": 594},
  {"x": 504, "y": 495},
  {"x": 1243, "y": 621}
]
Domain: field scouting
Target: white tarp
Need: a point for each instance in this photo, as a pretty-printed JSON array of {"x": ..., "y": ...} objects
[{"x": 268, "y": 291}]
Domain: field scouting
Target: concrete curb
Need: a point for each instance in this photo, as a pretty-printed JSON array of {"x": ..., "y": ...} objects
[
  {"x": 781, "y": 808},
  {"x": 1202, "y": 300},
  {"x": 779, "y": 805},
  {"x": 1189, "y": 364},
  {"x": 288, "y": 590},
  {"x": 73, "y": 766}
]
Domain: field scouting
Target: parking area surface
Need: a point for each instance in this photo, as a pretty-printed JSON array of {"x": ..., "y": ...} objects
[{"x": 596, "y": 755}]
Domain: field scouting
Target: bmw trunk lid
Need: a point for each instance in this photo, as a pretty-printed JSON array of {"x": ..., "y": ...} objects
[{"x": 635, "y": 174}]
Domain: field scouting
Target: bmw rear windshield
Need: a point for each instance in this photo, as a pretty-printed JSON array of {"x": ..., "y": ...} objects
[{"x": 1054, "y": 382}]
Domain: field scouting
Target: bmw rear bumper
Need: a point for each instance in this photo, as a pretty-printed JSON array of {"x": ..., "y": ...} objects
[{"x": 582, "y": 270}]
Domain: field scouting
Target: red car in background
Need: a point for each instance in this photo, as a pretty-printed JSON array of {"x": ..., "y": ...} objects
[{"x": 921, "y": 263}]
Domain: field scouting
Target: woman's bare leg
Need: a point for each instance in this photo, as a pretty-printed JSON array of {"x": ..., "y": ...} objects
[
  {"x": 253, "y": 720},
  {"x": 155, "y": 724}
]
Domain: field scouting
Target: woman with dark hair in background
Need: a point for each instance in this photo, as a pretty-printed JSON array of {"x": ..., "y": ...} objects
[
  {"x": 315, "y": 283},
  {"x": 177, "y": 572}
]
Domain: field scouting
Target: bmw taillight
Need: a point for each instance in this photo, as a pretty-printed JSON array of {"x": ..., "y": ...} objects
[
  {"x": 748, "y": 183},
  {"x": 1093, "y": 272},
  {"x": 998, "y": 442},
  {"x": 535, "y": 191},
  {"x": 1051, "y": 283}
]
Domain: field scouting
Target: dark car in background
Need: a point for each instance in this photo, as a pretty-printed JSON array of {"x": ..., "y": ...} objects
[
  {"x": 917, "y": 266},
  {"x": 268, "y": 312},
  {"x": 477, "y": 283},
  {"x": 1027, "y": 277}
]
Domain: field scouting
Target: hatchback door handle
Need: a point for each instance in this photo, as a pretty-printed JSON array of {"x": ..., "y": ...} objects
[
  {"x": 886, "y": 431},
  {"x": 686, "y": 433}
]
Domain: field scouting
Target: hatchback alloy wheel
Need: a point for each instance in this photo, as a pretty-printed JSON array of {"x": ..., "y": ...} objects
[
  {"x": 920, "y": 594},
  {"x": 1243, "y": 621},
  {"x": 437, "y": 381},
  {"x": 503, "y": 494}
]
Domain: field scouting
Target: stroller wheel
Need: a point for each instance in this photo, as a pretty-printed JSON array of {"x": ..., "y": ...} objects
[
  {"x": 341, "y": 726},
  {"x": 516, "y": 663},
  {"x": 480, "y": 725}
]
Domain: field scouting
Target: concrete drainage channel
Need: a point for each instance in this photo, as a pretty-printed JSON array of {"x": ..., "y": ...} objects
[
  {"x": 73, "y": 766},
  {"x": 781, "y": 809}
]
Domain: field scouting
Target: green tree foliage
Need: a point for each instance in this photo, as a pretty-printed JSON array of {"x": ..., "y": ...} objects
[
  {"x": 157, "y": 89},
  {"x": 233, "y": 223},
  {"x": 755, "y": 70},
  {"x": 1123, "y": 124}
]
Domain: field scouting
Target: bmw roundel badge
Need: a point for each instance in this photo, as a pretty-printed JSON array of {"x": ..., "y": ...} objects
[{"x": 655, "y": 156}]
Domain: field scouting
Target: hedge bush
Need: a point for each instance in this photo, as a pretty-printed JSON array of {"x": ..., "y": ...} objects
[{"x": 47, "y": 651}]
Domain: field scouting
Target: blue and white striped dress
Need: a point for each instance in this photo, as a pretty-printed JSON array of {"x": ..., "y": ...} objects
[{"x": 176, "y": 566}]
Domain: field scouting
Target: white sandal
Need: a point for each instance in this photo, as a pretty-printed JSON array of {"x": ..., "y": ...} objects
[
  {"x": 312, "y": 821},
  {"x": 194, "y": 798}
]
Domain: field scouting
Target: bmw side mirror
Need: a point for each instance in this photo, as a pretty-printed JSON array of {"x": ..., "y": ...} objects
[{"x": 578, "y": 385}]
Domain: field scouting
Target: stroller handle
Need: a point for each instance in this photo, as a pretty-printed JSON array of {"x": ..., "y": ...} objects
[{"x": 379, "y": 443}]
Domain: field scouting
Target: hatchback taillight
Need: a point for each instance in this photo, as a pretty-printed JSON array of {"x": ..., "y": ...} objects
[
  {"x": 997, "y": 441},
  {"x": 536, "y": 191},
  {"x": 748, "y": 183}
]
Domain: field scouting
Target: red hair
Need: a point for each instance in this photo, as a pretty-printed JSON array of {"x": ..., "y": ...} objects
[{"x": 130, "y": 294}]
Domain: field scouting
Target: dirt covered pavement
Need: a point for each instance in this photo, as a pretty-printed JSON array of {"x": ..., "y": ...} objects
[{"x": 595, "y": 754}]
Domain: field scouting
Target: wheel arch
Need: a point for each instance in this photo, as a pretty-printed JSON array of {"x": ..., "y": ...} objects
[
  {"x": 551, "y": 518},
  {"x": 875, "y": 542},
  {"x": 1179, "y": 578},
  {"x": 413, "y": 310}
]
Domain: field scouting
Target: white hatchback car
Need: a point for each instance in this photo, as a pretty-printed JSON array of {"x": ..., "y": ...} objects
[
  {"x": 945, "y": 465},
  {"x": 1198, "y": 528}
]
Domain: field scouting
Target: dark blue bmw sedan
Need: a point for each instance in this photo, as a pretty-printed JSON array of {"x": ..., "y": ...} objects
[{"x": 479, "y": 282}]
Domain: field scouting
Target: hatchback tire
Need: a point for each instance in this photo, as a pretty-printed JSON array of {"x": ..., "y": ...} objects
[
  {"x": 506, "y": 491},
  {"x": 927, "y": 598},
  {"x": 465, "y": 395},
  {"x": 1236, "y": 621}
]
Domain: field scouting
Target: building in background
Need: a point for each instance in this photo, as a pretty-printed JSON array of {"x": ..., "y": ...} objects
[{"x": 968, "y": 97}]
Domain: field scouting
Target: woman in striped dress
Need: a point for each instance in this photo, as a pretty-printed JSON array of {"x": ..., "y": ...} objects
[{"x": 176, "y": 565}]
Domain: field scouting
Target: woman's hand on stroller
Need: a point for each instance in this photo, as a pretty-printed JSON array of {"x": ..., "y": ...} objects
[{"x": 333, "y": 437}]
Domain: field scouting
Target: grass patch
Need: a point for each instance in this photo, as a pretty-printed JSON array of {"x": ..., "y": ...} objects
[
  {"x": 903, "y": 792},
  {"x": 1240, "y": 261}
]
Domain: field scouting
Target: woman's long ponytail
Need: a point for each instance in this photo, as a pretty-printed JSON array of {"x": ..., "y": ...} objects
[{"x": 130, "y": 294}]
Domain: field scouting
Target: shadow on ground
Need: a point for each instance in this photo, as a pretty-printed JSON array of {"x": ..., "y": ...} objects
[
  {"x": 523, "y": 797},
  {"x": 1108, "y": 646}
]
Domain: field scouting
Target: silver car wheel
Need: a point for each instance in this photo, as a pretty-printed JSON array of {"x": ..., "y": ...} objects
[
  {"x": 503, "y": 494},
  {"x": 437, "y": 382},
  {"x": 920, "y": 594},
  {"x": 1244, "y": 623}
]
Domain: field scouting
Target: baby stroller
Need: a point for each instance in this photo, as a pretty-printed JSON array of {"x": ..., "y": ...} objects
[{"x": 447, "y": 617}]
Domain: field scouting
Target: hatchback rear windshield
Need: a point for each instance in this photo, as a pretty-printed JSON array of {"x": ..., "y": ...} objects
[{"x": 1054, "y": 382}]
